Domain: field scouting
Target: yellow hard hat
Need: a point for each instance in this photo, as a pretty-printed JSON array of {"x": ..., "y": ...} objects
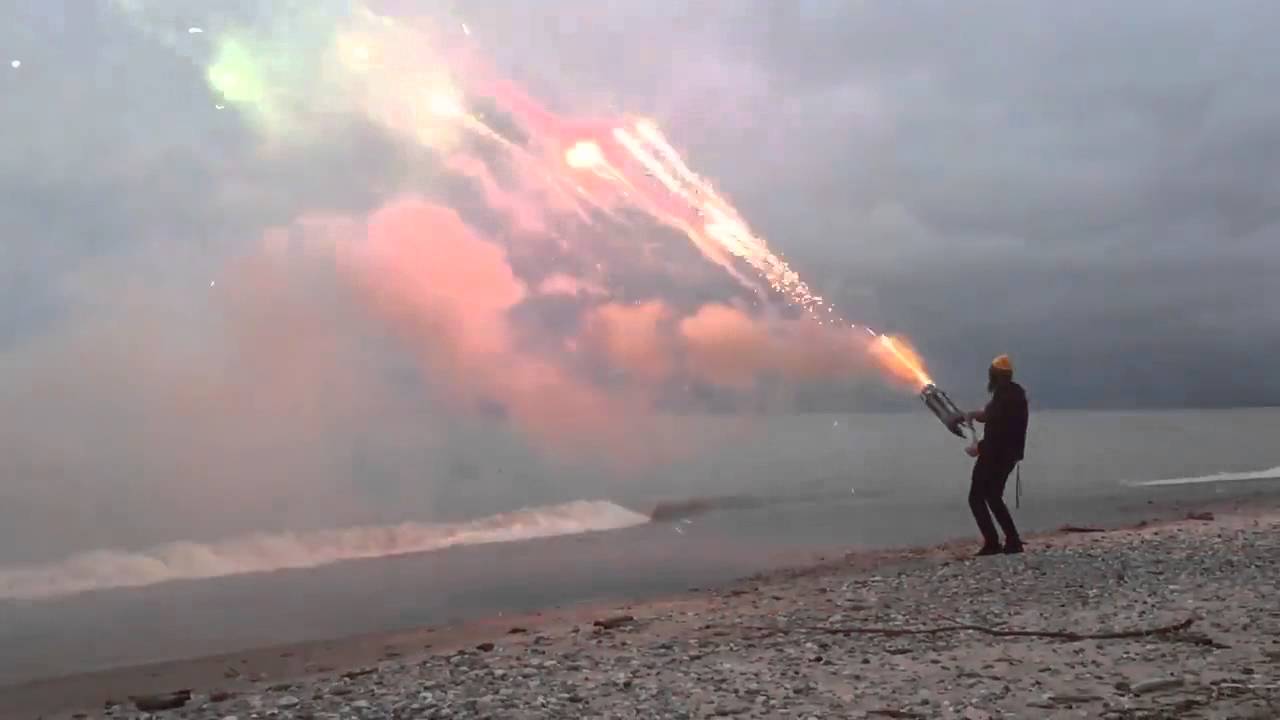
[{"x": 1002, "y": 362}]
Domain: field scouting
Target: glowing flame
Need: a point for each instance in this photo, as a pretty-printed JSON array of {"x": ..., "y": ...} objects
[{"x": 901, "y": 361}]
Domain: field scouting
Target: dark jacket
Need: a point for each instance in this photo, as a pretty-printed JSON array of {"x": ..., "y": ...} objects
[{"x": 1005, "y": 437}]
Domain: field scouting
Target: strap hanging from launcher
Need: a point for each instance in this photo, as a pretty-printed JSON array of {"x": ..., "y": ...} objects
[{"x": 1017, "y": 488}]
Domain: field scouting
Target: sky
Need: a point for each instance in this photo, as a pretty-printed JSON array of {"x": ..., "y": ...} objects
[
  {"x": 1084, "y": 185},
  {"x": 1087, "y": 186}
]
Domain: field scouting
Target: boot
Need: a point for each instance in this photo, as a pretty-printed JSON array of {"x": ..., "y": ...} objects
[
  {"x": 1013, "y": 546},
  {"x": 988, "y": 549}
]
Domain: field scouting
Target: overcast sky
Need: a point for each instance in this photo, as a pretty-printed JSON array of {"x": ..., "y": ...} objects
[
  {"x": 1089, "y": 186},
  {"x": 1092, "y": 187}
]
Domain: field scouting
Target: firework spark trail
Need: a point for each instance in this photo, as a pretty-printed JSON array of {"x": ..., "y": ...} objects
[
  {"x": 724, "y": 231},
  {"x": 730, "y": 224},
  {"x": 902, "y": 361},
  {"x": 416, "y": 81},
  {"x": 727, "y": 226}
]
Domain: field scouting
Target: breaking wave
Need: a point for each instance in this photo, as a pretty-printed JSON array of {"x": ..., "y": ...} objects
[
  {"x": 265, "y": 552},
  {"x": 1271, "y": 474}
]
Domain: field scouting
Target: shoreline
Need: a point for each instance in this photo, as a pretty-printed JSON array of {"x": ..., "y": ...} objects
[{"x": 281, "y": 669}]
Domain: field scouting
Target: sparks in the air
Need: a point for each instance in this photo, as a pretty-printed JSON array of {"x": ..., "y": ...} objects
[
  {"x": 685, "y": 200},
  {"x": 705, "y": 215},
  {"x": 409, "y": 79}
]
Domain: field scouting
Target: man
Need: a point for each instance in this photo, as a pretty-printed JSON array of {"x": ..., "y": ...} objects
[{"x": 998, "y": 453}]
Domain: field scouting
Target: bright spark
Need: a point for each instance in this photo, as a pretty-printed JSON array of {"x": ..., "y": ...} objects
[
  {"x": 584, "y": 155},
  {"x": 446, "y": 106}
]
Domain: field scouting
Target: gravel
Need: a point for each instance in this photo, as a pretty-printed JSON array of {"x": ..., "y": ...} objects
[{"x": 768, "y": 649}]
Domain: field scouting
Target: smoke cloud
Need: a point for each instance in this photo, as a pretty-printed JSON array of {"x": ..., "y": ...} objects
[
  {"x": 177, "y": 401},
  {"x": 451, "y": 293},
  {"x": 320, "y": 301}
]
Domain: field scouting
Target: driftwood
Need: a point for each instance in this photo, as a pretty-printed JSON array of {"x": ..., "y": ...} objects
[
  {"x": 616, "y": 621},
  {"x": 963, "y": 627},
  {"x": 1080, "y": 529},
  {"x": 163, "y": 701}
]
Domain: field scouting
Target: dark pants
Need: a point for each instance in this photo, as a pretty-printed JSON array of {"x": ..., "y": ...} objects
[{"x": 987, "y": 491}]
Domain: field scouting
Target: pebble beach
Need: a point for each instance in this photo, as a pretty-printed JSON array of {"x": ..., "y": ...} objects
[{"x": 1189, "y": 607}]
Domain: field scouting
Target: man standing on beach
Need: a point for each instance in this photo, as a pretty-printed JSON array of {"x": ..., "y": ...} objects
[{"x": 998, "y": 453}]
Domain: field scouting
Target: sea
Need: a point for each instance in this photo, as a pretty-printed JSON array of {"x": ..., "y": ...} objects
[{"x": 767, "y": 493}]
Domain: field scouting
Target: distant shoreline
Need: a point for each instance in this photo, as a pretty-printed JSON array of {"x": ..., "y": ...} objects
[{"x": 251, "y": 671}]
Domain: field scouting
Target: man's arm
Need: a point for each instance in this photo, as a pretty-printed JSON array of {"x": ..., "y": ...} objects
[{"x": 993, "y": 411}]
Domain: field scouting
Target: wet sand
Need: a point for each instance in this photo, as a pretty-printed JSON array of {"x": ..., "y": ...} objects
[{"x": 772, "y": 645}]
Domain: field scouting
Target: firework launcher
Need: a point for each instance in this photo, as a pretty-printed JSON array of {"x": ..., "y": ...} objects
[{"x": 950, "y": 415}]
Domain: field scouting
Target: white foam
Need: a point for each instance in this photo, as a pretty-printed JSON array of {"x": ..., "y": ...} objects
[
  {"x": 265, "y": 552},
  {"x": 1271, "y": 474}
]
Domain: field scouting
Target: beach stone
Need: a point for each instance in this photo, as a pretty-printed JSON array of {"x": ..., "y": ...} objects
[
  {"x": 1146, "y": 687},
  {"x": 163, "y": 701},
  {"x": 616, "y": 621},
  {"x": 1074, "y": 699},
  {"x": 288, "y": 701},
  {"x": 730, "y": 709}
]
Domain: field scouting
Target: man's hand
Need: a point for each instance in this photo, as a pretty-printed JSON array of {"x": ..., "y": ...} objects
[
  {"x": 976, "y": 415},
  {"x": 971, "y": 451}
]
